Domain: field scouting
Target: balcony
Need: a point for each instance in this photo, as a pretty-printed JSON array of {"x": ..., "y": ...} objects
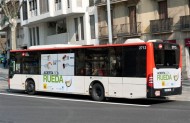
[
  {"x": 161, "y": 26},
  {"x": 185, "y": 23},
  {"x": 124, "y": 30},
  {"x": 99, "y": 2},
  {"x": 130, "y": 30},
  {"x": 76, "y": 6},
  {"x": 103, "y": 32},
  {"x": 57, "y": 39},
  {"x": 104, "y": 2}
]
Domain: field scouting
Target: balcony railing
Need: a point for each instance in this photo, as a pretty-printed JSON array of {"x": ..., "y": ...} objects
[
  {"x": 103, "y": 32},
  {"x": 57, "y": 39},
  {"x": 185, "y": 23},
  {"x": 102, "y": 2},
  {"x": 161, "y": 26},
  {"x": 44, "y": 6},
  {"x": 128, "y": 29},
  {"x": 124, "y": 30},
  {"x": 33, "y": 13}
]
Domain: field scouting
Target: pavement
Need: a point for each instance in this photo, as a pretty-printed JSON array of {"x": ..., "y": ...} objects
[
  {"x": 184, "y": 97},
  {"x": 3, "y": 78}
]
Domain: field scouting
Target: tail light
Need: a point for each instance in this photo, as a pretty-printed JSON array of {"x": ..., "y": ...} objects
[{"x": 150, "y": 80}]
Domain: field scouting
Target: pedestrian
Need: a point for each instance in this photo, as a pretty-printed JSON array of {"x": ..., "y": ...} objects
[{"x": 4, "y": 62}]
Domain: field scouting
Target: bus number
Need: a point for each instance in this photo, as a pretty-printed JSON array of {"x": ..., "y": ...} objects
[{"x": 142, "y": 47}]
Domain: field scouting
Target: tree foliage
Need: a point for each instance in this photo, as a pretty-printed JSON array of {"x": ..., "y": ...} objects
[{"x": 10, "y": 9}]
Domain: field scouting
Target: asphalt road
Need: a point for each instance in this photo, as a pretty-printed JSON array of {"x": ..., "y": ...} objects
[
  {"x": 18, "y": 107},
  {"x": 21, "y": 108}
]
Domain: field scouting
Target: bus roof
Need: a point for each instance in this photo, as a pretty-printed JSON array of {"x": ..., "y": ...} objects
[
  {"x": 53, "y": 46},
  {"x": 59, "y": 47},
  {"x": 69, "y": 46}
]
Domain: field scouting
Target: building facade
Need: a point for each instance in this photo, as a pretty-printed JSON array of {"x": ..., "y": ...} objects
[
  {"x": 168, "y": 20},
  {"x": 58, "y": 22},
  {"x": 85, "y": 22}
]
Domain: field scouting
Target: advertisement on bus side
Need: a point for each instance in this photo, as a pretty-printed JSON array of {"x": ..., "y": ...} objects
[{"x": 57, "y": 71}]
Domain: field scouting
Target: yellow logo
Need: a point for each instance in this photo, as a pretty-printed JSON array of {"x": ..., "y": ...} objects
[
  {"x": 45, "y": 86},
  {"x": 163, "y": 83}
]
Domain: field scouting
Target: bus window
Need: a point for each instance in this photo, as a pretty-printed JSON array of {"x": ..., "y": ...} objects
[
  {"x": 15, "y": 63},
  {"x": 166, "y": 57},
  {"x": 96, "y": 62},
  {"x": 134, "y": 63},
  {"x": 79, "y": 62},
  {"x": 31, "y": 64},
  {"x": 115, "y": 61}
]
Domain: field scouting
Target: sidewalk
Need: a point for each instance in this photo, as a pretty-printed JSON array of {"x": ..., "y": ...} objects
[
  {"x": 184, "y": 97},
  {"x": 3, "y": 78},
  {"x": 185, "y": 92}
]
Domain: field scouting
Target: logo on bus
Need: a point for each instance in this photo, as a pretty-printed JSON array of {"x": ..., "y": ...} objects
[
  {"x": 167, "y": 76},
  {"x": 55, "y": 79}
]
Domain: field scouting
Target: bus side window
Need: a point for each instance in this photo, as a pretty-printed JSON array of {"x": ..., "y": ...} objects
[
  {"x": 115, "y": 61},
  {"x": 17, "y": 69},
  {"x": 79, "y": 62}
]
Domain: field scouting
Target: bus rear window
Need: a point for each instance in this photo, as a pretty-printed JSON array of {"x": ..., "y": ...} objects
[{"x": 166, "y": 58}]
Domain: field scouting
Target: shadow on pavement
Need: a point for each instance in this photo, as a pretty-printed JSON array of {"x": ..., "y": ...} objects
[{"x": 151, "y": 101}]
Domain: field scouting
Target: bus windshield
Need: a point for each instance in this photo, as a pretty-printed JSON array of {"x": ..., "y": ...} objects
[{"x": 166, "y": 55}]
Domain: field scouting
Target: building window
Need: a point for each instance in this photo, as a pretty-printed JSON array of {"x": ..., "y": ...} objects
[
  {"x": 162, "y": 10},
  {"x": 82, "y": 28},
  {"x": 30, "y": 31},
  {"x": 57, "y": 4},
  {"x": 34, "y": 36},
  {"x": 61, "y": 26},
  {"x": 76, "y": 29},
  {"x": 38, "y": 35},
  {"x": 92, "y": 26},
  {"x": 132, "y": 19},
  {"x": 24, "y": 10},
  {"x": 91, "y": 2},
  {"x": 3, "y": 36},
  {"x": 33, "y": 7},
  {"x": 44, "y": 6}
]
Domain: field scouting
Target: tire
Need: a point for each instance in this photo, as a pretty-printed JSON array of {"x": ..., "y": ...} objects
[
  {"x": 30, "y": 87},
  {"x": 97, "y": 92}
]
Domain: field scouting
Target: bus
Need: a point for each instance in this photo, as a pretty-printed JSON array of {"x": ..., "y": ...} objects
[{"x": 131, "y": 70}]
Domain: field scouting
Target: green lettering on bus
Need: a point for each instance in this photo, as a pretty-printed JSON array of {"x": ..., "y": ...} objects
[
  {"x": 53, "y": 78},
  {"x": 164, "y": 77}
]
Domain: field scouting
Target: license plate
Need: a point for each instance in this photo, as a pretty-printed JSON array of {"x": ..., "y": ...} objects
[{"x": 168, "y": 90}]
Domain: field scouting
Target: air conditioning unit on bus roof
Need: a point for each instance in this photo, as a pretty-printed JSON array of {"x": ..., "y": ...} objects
[
  {"x": 155, "y": 40},
  {"x": 133, "y": 40},
  {"x": 53, "y": 46}
]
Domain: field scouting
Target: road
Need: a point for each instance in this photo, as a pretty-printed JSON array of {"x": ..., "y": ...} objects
[
  {"x": 21, "y": 108},
  {"x": 18, "y": 107}
]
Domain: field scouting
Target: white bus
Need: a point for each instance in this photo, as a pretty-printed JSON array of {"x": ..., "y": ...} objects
[{"x": 131, "y": 70}]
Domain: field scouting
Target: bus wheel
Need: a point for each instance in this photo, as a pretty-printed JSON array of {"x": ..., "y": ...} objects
[
  {"x": 97, "y": 92},
  {"x": 30, "y": 87}
]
